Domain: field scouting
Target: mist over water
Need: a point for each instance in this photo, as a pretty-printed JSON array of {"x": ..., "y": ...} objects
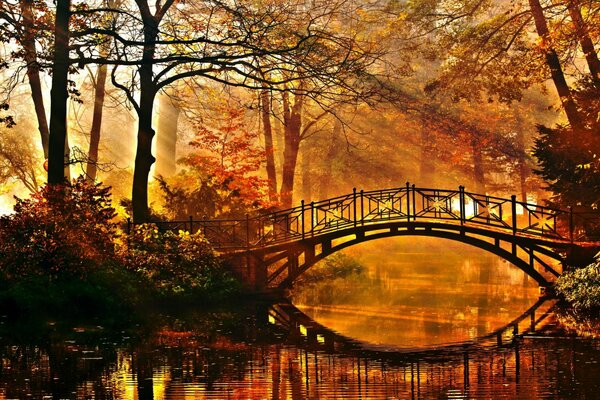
[{"x": 420, "y": 292}]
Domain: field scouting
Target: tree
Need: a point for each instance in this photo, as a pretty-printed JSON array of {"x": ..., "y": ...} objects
[
  {"x": 568, "y": 159},
  {"x": 219, "y": 178},
  {"x": 18, "y": 159},
  {"x": 241, "y": 44},
  {"x": 496, "y": 51},
  {"x": 28, "y": 23},
  {"x": 266, "y": 110},
  {"x": 61, "y": 230},
  {"x": 31, "y": 30},
  {"x": 487, "y": 49},
  {"x": 59, "y": 94},
  {"x": 553, "y": 62},
  {"x": 99, "y": 95}
]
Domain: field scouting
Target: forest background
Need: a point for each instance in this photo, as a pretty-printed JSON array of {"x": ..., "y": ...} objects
[
  {"x": 222, "y": 108},
  {"x": 261, "y": 104}
]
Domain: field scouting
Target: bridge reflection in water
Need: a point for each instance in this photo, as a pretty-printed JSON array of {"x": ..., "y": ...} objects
[
  {"x": 316, "y": 337},
  {"x": 413, "y": 372}
]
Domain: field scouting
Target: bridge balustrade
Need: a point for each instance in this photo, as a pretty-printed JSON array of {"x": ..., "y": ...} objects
[{"x": 408, "y": 203}]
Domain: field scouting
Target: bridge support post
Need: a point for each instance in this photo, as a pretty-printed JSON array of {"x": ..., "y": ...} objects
[
  {"x": 249, "y": 268},
  {"x": 362, "y": 207},
  {"x": 414, "y": 202},
  {"x": 312, "y": 218},
  {"x": 408, "y": 201},
  {"x": 461, "y": 205},
  {"x": 257, "y": 272},
  {"x": 309, "y": 254},
  {"x": 292, "y": 260},
  {"x": 302, "y": 219},
  {"x": 354, "y": 205},
  {"x": 571, "y": 226}
]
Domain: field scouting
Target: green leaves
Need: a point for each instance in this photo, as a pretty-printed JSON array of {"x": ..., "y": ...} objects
[
  {"x": 581, "y": 288},
  {"x": 175, "y": 263}
]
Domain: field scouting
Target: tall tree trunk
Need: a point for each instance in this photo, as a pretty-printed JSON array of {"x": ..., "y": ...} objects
[
  {"x": 584, "y": 39},
  {"x": 290, "y": 157},
  {"x": 166, "y": 136},
  {"x": 306, "y": 175},
  {"x": 99, "y": 95},
  {"x": 553, "y": 62},
  {"x": 59, "y": 95},
  {"x": 427, "y": 164},
  {"x": 522, "y": 159},
  {"x": 265, "y": 102},
  {"x": 326, "y": 175},
  {"x": 292, "y": 119},
  {"x": 523, "y": 174},
  {"x": 33, "y": 71},
  {"x": 478, "y": 169},
  {"x": 143, "y": 156}
]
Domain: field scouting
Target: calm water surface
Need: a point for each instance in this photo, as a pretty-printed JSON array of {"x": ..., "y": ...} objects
[{"x": 422, "y": 323}]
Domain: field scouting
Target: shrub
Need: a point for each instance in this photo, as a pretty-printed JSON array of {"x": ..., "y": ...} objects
[
  {"x": 176, "y": 263},
  {"x": 59, "y": 231},
  {"x": 581, "y": 287},
  {"x": 338, "y": 265}
]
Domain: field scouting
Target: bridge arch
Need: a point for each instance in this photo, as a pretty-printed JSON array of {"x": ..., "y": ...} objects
[
  {"x": 285, "y": 265},
  {"x": 478, "y": 243}
]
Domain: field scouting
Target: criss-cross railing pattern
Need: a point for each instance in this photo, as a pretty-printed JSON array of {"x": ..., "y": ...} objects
[{"x": 407, "y": 203}]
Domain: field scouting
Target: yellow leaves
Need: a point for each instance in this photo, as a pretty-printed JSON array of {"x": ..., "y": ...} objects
[{"x": 183, "y": 234}]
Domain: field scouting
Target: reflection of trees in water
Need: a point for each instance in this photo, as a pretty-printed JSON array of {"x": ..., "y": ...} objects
[
  {"x": 579, "y": 324},
  {"x": 524, "y": 369},
  {"x": 249, "y": 357}
]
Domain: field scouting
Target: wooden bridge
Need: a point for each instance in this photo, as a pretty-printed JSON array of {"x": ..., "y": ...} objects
[{"x": 270, "y": 251}]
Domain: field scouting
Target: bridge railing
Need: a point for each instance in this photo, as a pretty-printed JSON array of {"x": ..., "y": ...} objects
[
  {"x": 408, "y": 203},
  {"x": 516, "y": 216}
]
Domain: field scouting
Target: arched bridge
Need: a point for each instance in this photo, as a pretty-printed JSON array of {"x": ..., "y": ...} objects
[{"x": 271, "y": 251}]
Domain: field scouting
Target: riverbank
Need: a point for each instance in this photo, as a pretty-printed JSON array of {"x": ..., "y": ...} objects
[
  {"x": 110, "y": 294},
  {"x": 63, "y": 251},
  {"x": 580, "y": 288}
]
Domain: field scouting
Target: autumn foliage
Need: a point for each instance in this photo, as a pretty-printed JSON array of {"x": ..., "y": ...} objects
[
  {"x": 64, "y": 243},
  {"x": 569, "y": 158},
  {"x": 60, "y": 230},
  {"x": 220, "y": 178},
  {"x": 175, "y": 263}
]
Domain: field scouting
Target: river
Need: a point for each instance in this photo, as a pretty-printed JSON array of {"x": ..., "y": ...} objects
[{"x": 424, "y": 320}]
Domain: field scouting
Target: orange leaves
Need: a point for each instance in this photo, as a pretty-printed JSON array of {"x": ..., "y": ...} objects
[
  {"x": 63, "y": 230},
  {"x": 228, "y": 156}
]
